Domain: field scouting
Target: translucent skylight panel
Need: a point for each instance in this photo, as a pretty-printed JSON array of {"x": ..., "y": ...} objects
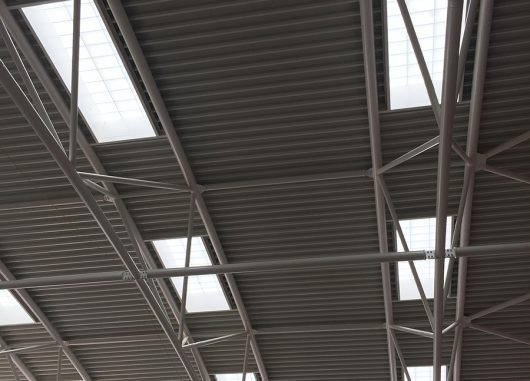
[
  {"x": 235, "y": 377},
  {"x": 204, "y": 291},
  {"x": 424, "y": 373},
  {"x": 107, "y": 97},
  {"x": 420, "y": 235},
  {"x": 11, "y": 312},
  {"x": 407, "y": 88}
]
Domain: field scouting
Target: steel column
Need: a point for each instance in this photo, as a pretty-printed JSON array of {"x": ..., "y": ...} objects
[
  {"x": 449, "y": 90},
  {"x": 19, "y": 98},
  {"x": 144, "y": 70},
  {"x": 368, "y": 41},
  {"x": 475, "y": 110}
]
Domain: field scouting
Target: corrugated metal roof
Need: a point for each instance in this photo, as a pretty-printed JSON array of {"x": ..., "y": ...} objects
[{"x": 259, "y": 90}]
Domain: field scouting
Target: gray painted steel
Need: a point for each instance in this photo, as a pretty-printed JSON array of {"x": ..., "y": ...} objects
[{"x": 261, "y": 90}]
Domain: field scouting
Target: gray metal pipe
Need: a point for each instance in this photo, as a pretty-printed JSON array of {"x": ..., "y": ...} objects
[
  {"x": 475, "y": 110},
  {"x": 449, "y": 90},
  {"x": 368, "y": 39},
  {"x": 130, "y": 181},
  {"x": 283, "y": 265}
]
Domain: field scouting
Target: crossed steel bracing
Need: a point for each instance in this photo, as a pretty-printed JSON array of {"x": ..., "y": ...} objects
[{"x": 148, "y": 275}]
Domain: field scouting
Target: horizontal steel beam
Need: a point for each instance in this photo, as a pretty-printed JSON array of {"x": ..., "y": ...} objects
[
  {"x": 130, "y": 181},
  {"x": 283, "y": 265},
  {"x": 413, "y": 331}
]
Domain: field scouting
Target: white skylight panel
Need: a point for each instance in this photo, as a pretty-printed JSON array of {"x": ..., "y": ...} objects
[
  {"x": 407, "y": 88},
  {"x": 420, "y": 235},
  {"x": 107, "y": 97},
  {"x": 11, "y": 312},
  {"x": 235, "y": 377},
  {"x": 424, "y": 373},
  {"x": 204, "y": 291}
]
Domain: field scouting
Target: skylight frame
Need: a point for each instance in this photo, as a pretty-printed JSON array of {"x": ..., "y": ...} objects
[
  {"x": 12, "y": 312},
  {"x": 127, "y": 116},
  {"x": 413, "y": 92},
  {"x": 424, "y": 374},
  {"x": 234, "y": 377},
  {"x": 406, "y": 287},
  {"x": 172, "y": 253}
]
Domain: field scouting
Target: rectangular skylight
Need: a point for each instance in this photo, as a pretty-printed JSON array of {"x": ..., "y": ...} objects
[
  {"x": 235, "y": 377},
  {"x": 420, "y": 235},
  {"x": 407, "y": 88},
  {"x": 204, "y": 291},
  {"x": 424, "y": 373},
  {"x": 11, "y": 312},
  {"x": 107, "y": 97}
]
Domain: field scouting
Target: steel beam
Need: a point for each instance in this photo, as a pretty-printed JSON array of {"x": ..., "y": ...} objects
[
  {"x": 57, "y": 98},
  {"x": 448, "y": 106},
  {"x": 433, "y": 98},
  {"x": 475, "y": 110},
  {"x": 401, "y": 236},
  {"x": 18, "y": 362},
  {"x": 282, "y": 265},
  {"x": 74, "y": 84},
  {"x": 413, "y": 331},
  {"x": 368, "y": 41},
  {"x": 507, "y": 173},
  {"x": 498, "y": 333},
  {"x": 20, "y": 100},
  {"x": 508, "y": 144},
  {"x": 130, "y": 181},
  {"x": 500, "y": 306},
  {"x": 400, "y": 355},
  {"x": 46, "y": 323},
  {"x": 144, "y": 70}
]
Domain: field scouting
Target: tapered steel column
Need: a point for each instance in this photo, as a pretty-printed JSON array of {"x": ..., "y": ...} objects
[
  {"x": 449, "y": 89},
  {"x": 375, "y": 144},
  {"x": 475, "y": 110}
]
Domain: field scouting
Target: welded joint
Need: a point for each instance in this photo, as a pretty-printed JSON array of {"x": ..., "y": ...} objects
[
  {"x": 369, "y": 173},
  {"x": 465, "y": 321},
  {"x": 480, "y": 162},
  {"x": 198, "y": 189}
]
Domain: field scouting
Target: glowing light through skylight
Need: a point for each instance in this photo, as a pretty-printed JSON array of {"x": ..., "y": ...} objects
[
  {"x": 107, "y": 97},
  {"x": 235, "y": 377},
  {"x": 204, "y": 291},
  {"x": 424, "y": 373},
  {"x": 420, "y": 235},
  {"x": 11, "y": 312},
  {"x": 407, "y": 88}
]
